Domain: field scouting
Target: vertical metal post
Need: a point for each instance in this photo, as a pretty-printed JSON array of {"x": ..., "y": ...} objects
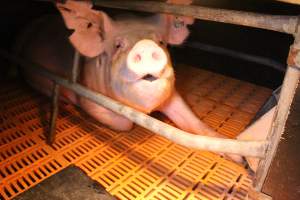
[
  {"x": 75, "y": 68},
  {"x": 289, "y": 86},
  {"x": 51, "y": 135},
  {"x": 55, "y": 96}
]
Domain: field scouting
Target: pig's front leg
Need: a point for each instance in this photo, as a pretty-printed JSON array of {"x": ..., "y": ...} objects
[
  {"x": 105, "y": 116},
  {"x": 179, "y": 112}
]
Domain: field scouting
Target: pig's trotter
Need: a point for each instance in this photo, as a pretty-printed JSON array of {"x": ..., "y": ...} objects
[
  {"x": 235, "y": 158},
  {"x": 179, "y": 112}
]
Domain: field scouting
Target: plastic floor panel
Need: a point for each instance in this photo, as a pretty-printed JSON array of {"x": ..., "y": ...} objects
[{"x": 130, "y": 165}]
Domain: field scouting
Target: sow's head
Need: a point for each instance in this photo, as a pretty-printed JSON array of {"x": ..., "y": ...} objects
[{"x": 133, "y": 50}]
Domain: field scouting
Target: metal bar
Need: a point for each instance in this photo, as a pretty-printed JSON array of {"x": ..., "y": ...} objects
[
  {"x": 235, "y": 54},
  {"x": 55, "y": 94},
  {"x": 246, "y": 148},
  {"x": 286, "y": 97},
  {"x": 287, "y": 94},
  {"x": 280, "y": 23},
  {"x": 75, "y": 68}
]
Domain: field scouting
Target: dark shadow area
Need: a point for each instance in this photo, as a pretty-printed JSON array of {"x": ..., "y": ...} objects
[{"x": 70, "y": 183}]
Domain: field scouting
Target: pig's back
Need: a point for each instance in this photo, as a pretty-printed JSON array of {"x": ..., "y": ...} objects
[{"x": 45, "y": 42}]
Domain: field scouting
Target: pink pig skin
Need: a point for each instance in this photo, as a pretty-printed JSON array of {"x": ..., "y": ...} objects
[{"x": 125, "y": 59}]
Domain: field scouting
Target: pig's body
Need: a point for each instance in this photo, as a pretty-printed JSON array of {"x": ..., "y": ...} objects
[
  {"x": 121, "y": 67},
  {"x": 45, "y": 42}
]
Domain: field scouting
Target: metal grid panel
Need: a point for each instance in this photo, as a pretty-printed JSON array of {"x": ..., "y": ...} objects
[{"x": 130, "y": 165}]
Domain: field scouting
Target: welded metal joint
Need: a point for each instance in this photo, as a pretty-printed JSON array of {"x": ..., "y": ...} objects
[
  {"x": 294, "y": 57},
  {"x": 54, "y": 110},
  {"x": 294, "y": 54}
]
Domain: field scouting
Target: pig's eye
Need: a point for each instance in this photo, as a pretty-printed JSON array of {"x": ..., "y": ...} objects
[
  {"x": 163, "y": 43},
  {"x": 89, "y": 25},
  {"x": 119, "y": 44}
]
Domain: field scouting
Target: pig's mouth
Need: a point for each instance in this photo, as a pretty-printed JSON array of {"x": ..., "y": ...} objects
[
  {"x": 149, "y": 77},
  {"x": 131, "y": 77},
  {"x": 144, "y": 92}
]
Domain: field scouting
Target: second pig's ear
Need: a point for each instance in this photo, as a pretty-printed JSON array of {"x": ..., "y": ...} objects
[
  {"x": 174, "y": 28},
  {"x": 90, "y": 26}
]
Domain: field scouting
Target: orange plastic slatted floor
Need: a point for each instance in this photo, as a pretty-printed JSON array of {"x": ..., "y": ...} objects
[{"x": 130, "y": 165}]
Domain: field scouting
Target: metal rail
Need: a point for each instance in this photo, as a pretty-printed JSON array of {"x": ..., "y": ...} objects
[
  {"x": 246, "y": 148},
  {"x": 280, "y": 23},
  {"x": 236, "y": 54}
]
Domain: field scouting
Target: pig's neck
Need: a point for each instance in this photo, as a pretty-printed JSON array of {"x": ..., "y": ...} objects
[{"x": 95, "y": 75}]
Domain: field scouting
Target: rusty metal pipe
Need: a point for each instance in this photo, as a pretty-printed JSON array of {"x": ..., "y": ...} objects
[
  {"x": 246, "y": 148},
  {"x": 280, "y": 23}
]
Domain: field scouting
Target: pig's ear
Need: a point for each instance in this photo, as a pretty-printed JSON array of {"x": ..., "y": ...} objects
[
  {"x": 174, "y": 28},
  {"x": 89, "y": 26}
]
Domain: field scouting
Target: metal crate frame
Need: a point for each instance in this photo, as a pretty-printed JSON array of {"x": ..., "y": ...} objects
[{"x": 265, "y": 149}]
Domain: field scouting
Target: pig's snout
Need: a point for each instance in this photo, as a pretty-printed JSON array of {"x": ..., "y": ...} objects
[{"x": 147, "y": 60}]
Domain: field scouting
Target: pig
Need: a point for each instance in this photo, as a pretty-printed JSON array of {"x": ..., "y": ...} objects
[{"x": 126, "y": 59}]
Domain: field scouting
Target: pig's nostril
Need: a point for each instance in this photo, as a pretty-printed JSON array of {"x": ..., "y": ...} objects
[
  {"x": 155, "y": 56},
  {"x": 137, "y": 58},
  {"x": 146, "y": 57},
  {"x": 149, "y": 77}
]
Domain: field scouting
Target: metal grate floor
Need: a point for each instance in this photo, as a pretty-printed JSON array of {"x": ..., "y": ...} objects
[{"x": 130, "y": 165}]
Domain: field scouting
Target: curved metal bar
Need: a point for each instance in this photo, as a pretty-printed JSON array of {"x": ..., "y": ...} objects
[{"x": 246, "y": 148}]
